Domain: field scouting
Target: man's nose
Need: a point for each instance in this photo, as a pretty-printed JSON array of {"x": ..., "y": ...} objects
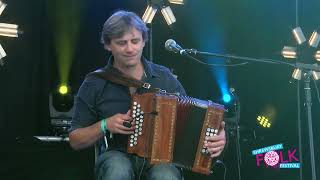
[{"x": 130, "y": 47}]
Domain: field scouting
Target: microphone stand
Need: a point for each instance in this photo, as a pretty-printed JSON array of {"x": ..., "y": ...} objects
[
  {"x": 237, "y": 119},
  {"x": 306, "y": 69},
  {"x": 308, "y": 103}
]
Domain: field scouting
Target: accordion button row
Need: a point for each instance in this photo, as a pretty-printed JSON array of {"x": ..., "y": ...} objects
[
  {"x": 137, "y": 115},
  {"x": 209, "y": 132}
]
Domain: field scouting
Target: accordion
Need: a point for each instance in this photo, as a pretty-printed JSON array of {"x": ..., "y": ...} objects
[{"x": 172, "y": 129}]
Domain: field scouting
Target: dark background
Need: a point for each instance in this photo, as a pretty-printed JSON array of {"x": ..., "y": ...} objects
[{"x": 246, "y": 28}]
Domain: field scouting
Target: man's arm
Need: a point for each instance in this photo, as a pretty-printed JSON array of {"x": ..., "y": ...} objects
[{"x": 84, "y": 137}]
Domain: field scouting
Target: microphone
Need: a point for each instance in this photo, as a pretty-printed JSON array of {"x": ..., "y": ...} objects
[
  {"x": 171, "y": 45},
  {"x": 232, "y": 90}
]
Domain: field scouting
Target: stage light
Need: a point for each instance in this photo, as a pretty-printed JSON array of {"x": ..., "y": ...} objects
[
  {"x": 315, "y": 75},
  {"x": 317, "y": 56},
  {"x": 154, "y": 5},
  {"x": 61, "y": 106},
  {"x": 63, "y": 89},
  {"x": 10, "y": 30},
  {"x": 226, "y": 98},
  {"x": 298, "y": 35},
  {"x": 168, "y": 15},
  {"x": 263, "y": 121},
  {"x": 2, "y": 6},
  {"x": 62, "y": 99},
  {"x": 176, "y": 2},
  {"x": 2, "y": 55},
  {"x": 314, "y": 39},
  {"x": 149, "y": 13},
  {"x": 289, "y": 52},
  {"x": 296, "y": 74}
]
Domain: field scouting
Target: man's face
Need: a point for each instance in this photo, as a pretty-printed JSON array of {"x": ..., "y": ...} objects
[{"x": 127, "y": 50}]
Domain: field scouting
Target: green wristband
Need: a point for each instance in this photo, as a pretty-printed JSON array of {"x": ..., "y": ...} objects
[{"x": 103, "y": 126}]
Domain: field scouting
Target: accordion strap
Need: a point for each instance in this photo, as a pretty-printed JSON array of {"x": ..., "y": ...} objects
[{"x": 114, "y": 75}]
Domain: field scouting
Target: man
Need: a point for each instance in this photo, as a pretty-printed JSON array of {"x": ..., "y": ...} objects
[{"x": 102, "y": 107}]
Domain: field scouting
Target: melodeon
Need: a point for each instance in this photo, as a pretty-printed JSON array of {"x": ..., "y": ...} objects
[{"x": 172, "y": 129}]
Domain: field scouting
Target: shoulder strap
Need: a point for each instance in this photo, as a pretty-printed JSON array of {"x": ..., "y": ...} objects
[{"x": 114, "y": 75}]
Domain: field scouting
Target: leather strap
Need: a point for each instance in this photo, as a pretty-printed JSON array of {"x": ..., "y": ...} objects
[{"x": 114, "y": 75}]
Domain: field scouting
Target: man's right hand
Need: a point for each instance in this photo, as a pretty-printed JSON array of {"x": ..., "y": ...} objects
[{"x": 115, "y": 124}]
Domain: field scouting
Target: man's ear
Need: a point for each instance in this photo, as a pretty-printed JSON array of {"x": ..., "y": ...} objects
[
  {"x": 107, "y": 47},
  {"x": 144, "y": 43}
]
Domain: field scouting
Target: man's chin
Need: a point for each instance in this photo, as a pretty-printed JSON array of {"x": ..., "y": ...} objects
[{"x": 131, "y": 65}]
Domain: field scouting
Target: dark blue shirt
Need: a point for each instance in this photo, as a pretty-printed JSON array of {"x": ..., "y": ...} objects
[{"x": 98, "y": 98}]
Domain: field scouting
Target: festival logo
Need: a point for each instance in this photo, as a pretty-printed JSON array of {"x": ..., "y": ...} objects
[{"x": 275, "y": 156}]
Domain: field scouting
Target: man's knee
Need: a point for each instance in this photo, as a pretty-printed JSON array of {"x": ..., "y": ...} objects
[
  {"x": 164, "y": 172},
  {"x": 114, "y": 165}
]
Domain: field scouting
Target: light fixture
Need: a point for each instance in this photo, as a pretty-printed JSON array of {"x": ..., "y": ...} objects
[
  {"x": 264, "y": 121},
  {"x": 317, "y": 56},
  {"x": 297, "y": 74},
  {"x": 61, "y": 108},
  {"x": 168, "y": 15},
  {"x": 10, "y": 30},
  {"x": 314, "y": 39},
  {"x": 62, "y": 98},
  {"x": 2, "y": 52},
  {"x": 63, "y": 89},
  {"x": 315, "y": 75},
  {"x": 154, "y": 5},
  {"x": 176, "y": 1},
  {"x": 289, "y": 52},
  {"x": 149, "y": 13},
  {"x": 298, "y": 35},
  {"x": 2, "y": 6},
  {"x": 2, "y": 55}
]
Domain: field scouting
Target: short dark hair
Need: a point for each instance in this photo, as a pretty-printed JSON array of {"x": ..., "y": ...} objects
[{"x": 121, "y": 22}]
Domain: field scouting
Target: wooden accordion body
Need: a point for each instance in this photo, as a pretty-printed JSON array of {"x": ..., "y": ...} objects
[{"x": 172, "y": 129}]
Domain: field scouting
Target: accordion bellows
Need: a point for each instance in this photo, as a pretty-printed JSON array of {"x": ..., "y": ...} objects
[{"x": 172, "y": 129}]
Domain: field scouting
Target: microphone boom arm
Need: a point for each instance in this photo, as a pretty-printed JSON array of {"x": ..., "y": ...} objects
[
  {"x": 298, "y": 65},
  {"x": 271, "y": 61}
]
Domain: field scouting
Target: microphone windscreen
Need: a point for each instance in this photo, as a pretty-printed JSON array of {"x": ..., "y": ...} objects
[{"x": 169, "y": 44}]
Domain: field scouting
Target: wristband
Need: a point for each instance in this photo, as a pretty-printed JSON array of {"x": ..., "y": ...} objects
[{"x": 103, "y": 126}]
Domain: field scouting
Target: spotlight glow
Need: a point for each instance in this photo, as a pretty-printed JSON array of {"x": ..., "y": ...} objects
[
  {"x": 63, "y": 89},
  {"x": 226, "y": 98}
]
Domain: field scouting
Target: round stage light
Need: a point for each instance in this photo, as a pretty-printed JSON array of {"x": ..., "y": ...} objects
[{"x": 63, "y": 89}]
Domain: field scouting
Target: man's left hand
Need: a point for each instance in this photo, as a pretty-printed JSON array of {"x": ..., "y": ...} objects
[{"x": 215, "y": 144}]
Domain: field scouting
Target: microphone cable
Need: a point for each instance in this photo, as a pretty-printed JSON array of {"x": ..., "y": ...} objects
[{"x": 211, "y": 64}]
